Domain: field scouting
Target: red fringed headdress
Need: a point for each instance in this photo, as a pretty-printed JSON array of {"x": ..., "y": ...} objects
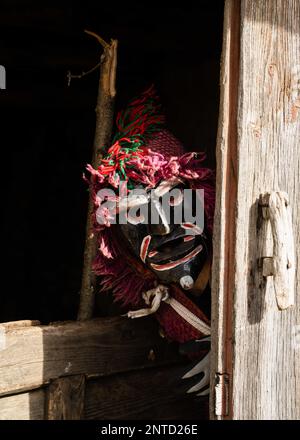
[{"x": 144, "y": 152}]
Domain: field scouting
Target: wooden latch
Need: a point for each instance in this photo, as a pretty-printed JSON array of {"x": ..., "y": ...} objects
[{"x": 276, "y": 209}]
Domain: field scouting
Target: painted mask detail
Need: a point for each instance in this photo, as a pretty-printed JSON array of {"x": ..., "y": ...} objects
[{"x": 175, "y": 252}]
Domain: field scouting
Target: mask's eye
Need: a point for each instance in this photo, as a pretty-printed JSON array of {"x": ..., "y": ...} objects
[
  {"x": 135, "y": 218},
  {"x": 176, "y": 197}
]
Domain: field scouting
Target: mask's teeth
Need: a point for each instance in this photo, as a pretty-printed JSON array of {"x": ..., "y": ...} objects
[
  {"x": 152, "y": 253},
  {"x": 194, "y": 229},
  {"x": 189, "y": 238},
  {"x": 144, "y": 247},
  {"x": 172, "y": 264}
]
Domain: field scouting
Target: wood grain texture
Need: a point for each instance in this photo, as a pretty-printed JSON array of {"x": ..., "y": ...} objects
[
  {"x": 23, "y": 406},
  {"x": 153, "y": 394},
  {"x": 224, "y": 221},
  {"x": 149, "y": 394},
  {"x": 17, "y": 324},
  {"x": 65, "y": 398},
  {"x": 266, "y": 368},
  {"x": 32, "y": 356}
]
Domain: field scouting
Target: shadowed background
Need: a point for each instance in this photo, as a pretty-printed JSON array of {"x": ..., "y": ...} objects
[{"x": 47, "y": 127}]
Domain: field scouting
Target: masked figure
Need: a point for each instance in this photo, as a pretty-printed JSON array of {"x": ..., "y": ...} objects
[{"x": 153, "y": 217}]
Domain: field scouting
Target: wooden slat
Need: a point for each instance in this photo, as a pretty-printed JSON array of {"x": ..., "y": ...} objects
[
  {"x": 153, "y": 394},
  {"x": 65, "y": 398},
  {"x": 31, "y": 356},
  {"x": 24, "y": 406}
]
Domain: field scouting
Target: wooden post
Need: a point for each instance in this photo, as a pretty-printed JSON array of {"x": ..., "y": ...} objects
[{"x": 104, "y": 121}]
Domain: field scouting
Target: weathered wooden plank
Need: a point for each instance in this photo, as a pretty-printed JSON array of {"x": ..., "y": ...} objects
[
  {"x": 23, "y": 406},
  {"x": 17, "y": 324},
  {"x": 224, "y": 222},
  {"x": 153, "y": 394},
  {"x": 266, "y": 378},
  {"x": 31, "y": 356},
  {"x": 65, "y": 398}
]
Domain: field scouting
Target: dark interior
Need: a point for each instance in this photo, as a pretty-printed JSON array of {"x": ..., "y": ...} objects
[{"x": 47, "y": 128}]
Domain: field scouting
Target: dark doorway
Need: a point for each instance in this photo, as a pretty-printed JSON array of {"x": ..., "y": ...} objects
[{"x": 47, "y": 127}]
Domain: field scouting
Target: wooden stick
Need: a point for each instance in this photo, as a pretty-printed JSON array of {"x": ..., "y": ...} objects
[{"x": 104, "y": 121}]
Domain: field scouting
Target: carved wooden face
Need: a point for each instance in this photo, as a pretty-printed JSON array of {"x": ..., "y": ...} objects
[{"x": 174, "y": 251}]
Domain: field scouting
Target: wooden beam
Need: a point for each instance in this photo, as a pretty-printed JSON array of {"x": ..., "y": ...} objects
[
  {"x": 24, "y": 406},
  {"x": 11, "y": 325},
  {"x": 32, "y": 356},
  {"x": 153, "y": 394},
  {"x": 65, "y": 398}
]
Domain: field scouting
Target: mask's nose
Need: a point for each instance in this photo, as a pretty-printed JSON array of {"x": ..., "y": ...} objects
[
  {"x": 159, "y": 229},
  {"x": 159, "y": 223}
]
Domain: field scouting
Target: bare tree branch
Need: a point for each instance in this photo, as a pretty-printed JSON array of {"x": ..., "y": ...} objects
[
  {"x": 82, "y": 74},
  {"x": 103, "y": 129}
]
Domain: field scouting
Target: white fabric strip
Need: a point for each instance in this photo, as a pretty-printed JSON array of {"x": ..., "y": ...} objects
[
  {"x": 160, "y": 293},
  {"x": 190, "y": 317}
]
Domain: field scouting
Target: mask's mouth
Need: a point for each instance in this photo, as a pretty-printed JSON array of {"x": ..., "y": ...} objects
[
  {"x": 174, "y": 252},
  {"x": 167, "y": 265},
  {"x": 177, "y": 247}
]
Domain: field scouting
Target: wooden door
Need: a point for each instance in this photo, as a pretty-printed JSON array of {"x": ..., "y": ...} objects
[{"x": 255, "y": 367}]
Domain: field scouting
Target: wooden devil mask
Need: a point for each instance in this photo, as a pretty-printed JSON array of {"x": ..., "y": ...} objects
[
  {"x": 167, "y": 206},
  {"x": 165, "y": 229}
]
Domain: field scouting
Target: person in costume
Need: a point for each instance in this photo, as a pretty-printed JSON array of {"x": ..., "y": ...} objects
[{"x": 159, "y": 267}]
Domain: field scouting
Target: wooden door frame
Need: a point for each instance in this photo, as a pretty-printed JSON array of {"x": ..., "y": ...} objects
[
  {"x": 224, "y": 220},
  {"x": 257, "y": 152}
]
